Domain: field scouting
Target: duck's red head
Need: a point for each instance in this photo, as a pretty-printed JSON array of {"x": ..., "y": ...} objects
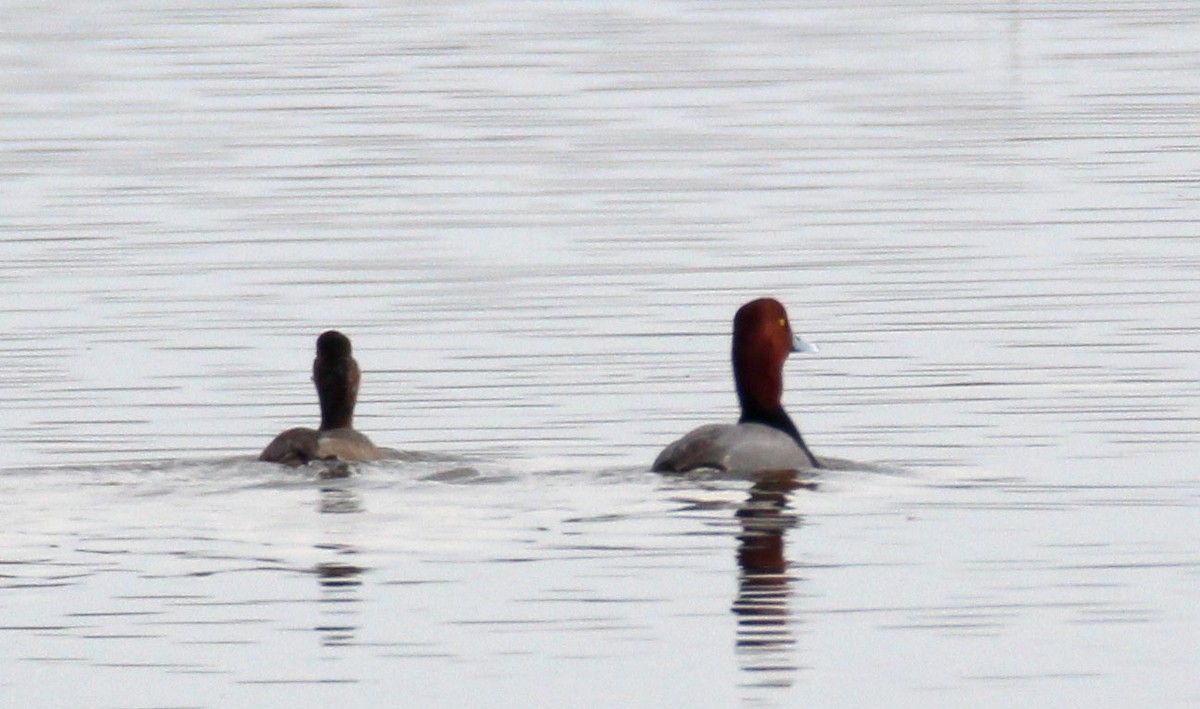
[
  {"x": 336, "y": 376},
  {"x": 762, "y": 340}
]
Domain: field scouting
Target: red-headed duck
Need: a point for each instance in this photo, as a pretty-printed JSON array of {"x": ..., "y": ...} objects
[
  {"x": 764, "y": 438},
  {"x": 336, "y": 376}
]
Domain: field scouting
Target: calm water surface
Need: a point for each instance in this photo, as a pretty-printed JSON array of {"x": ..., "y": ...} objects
[{"x": 536, "y": 220}]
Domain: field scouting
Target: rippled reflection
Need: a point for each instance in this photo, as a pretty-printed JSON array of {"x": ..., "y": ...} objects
[
  {"x": 341, "y": 589},
  {"x": 340, "y": 579},
  {"x": 340, "y": 500},
  {"x": 766, "y": 637}
]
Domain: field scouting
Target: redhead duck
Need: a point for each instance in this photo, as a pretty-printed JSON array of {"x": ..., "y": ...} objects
[
  {"x": 336, "y": 376},
  {"x": 764, "y": 438}
]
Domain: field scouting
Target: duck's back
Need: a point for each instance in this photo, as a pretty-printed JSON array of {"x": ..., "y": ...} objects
[
  {"x": 347, "y": 445},
  {"x": 295, "y": 446},
  {"x": 735, "y": 448}
]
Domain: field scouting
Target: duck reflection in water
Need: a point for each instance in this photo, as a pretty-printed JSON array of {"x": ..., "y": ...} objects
[
  {"x": 765, "y": 640},
  {"x": 341, "y": 584},
  {"x": 335, "y": 498},
  {"x": 340, "y": 578}
]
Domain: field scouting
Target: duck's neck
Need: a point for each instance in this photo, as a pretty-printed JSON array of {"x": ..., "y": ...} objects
[
  {"x": 337, "y": 390},
  {"x": 758, "y": 377},
  {"x": 336, "y": 416}
]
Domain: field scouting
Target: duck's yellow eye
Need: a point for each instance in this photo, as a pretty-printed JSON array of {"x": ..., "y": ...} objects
[{"x": 782, "y": 322}]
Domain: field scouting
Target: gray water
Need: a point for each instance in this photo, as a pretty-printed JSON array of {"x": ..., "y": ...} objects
[{"x": 535, "y": 221}]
